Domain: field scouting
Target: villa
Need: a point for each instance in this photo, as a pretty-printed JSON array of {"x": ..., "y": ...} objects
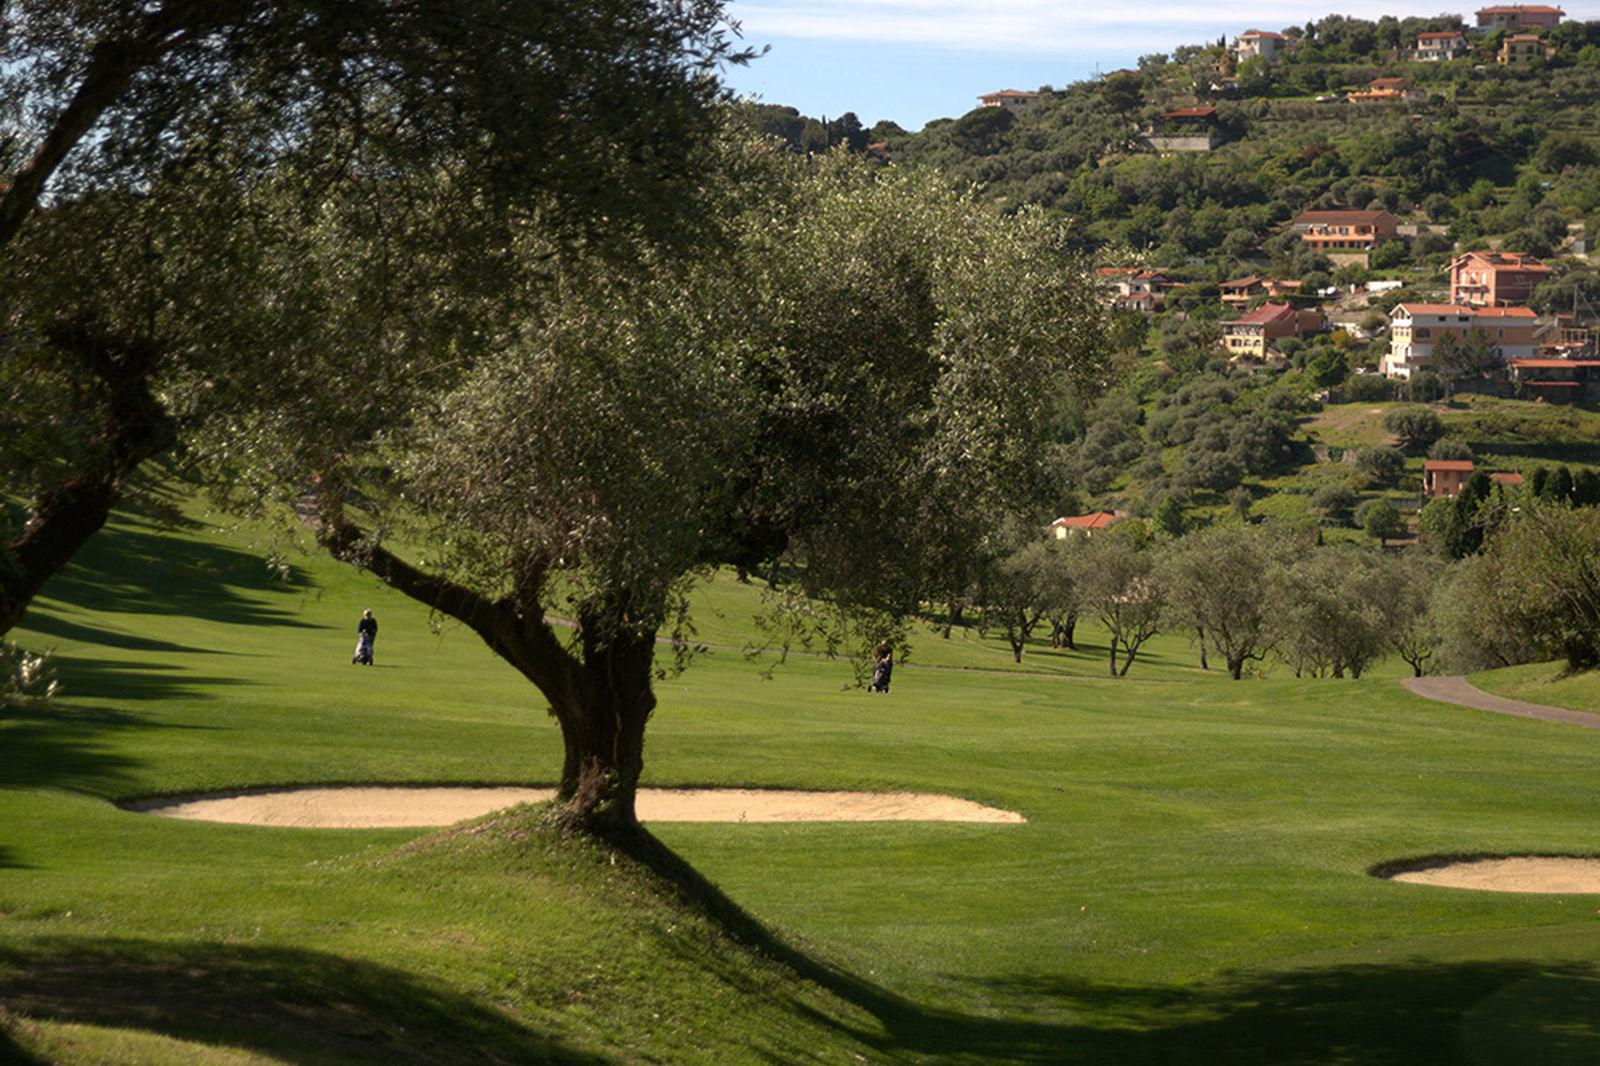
[
  {"x": 1012, "y": 100},
  {"x": 1519, "y": 17},
  {"x": 1414, "y": 329},
  {"x": 1441, "y": 47},
  {"x": 1495, "y": 279}
]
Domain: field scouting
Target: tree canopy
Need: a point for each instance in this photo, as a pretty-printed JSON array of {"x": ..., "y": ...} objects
[{"x": 855, "y": 387}]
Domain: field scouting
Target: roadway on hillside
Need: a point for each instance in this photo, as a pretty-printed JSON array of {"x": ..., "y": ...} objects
[{"x": 1456, "y": 690}]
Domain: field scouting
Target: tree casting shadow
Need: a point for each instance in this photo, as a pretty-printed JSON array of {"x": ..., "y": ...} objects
[
  {"x": 298, "y": 1005},
  {"x": 1402, "y": 1013}
]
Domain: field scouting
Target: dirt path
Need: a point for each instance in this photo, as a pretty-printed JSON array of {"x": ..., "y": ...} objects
[
  {"x": 417, "y": 806},
  {"x": 1456, "y": 690}
]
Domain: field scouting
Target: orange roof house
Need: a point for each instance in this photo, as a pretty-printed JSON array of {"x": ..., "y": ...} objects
[
  {"x": 1251, "y": 336},
  {"x": 1346, "y": 231},
  {"x": 1495, "y": 279},
  {"x": 1519, "y": 17},
  {"x": 1440, "y": 47},
  {"x": 1414, "y": 329},
  {"x": 1383, "y": 89},
  {"x": 1522, "y": 48},
  {"x": 1445, "y": 477},
  {"x": 1240, "y": 291},
  {"x": 1082, "y": 525}
]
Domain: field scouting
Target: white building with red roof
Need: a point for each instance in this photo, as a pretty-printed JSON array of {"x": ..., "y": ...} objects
[
  {"x": 1414, "y": 330},
  {"x": 1135, "y": 289},
  {"x": 1259, "y": 44},
  {"x": 1442, "y": 46}
]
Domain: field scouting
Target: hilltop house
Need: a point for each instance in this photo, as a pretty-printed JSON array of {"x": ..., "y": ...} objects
[
  {"x": 1135, "y": 289},
  {"x": 1557, "y": 380},
  {"x": 1519, "y": 17},
  {"x": 1445, "y": 477},
  {"x": 1440, "y": 47},
  {"x": 1382, "y": 90},
  {"x": 1520, "y": 49},
  {"x": 1083, "y": 525},
  {"x": 1012, "y": 100},
  {"x": 1252, "y": 336},
  {"x": 1495, "y": 279},
  {"x": 1184, "y": 129},
  {"x": 1258, "y": 44},
  {"x": 1414, "y": 329},
  {"x": 1346, "y": 236},
  {"x": 1240, "y": 291}
]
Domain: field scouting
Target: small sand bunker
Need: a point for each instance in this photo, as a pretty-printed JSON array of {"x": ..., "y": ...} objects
[
  {"x": 409, "y": 808},
  {"x": 1542, "y": 874}
]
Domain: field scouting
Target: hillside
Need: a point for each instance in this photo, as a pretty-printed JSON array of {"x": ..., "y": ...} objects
[{"x": 1465, "y": 154}]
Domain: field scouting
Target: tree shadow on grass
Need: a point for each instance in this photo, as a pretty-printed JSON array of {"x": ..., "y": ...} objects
[
  {"x": 58, "y": 745},
  {"x": 87, "y": 678},
  {"x": 298, "y": 1005},
  {"x": 1409, "y": 1011},
  {"x": 52, "y": 625},
  {"x": 129, "y": 568}
]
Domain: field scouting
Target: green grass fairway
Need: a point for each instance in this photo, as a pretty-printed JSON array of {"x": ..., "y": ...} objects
[
  {"x": 1191, "y": 885},
  {"x": 1548, "y": 683}
]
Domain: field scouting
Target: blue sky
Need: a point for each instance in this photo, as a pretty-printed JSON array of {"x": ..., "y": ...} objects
[{"x": 914, "y": 60}]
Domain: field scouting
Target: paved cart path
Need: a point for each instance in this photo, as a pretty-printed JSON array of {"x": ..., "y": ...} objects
[{"x": 1456, "y": 690}]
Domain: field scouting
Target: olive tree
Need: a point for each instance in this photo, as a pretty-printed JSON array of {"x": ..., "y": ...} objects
[
  {"x": 856, "y": 382},
  {"x": 1116, "y": 580},
  {"x": 145, "y": 141},
  {"x": 1218, "y": 581},
  {"x": 1330, "y": 606}
]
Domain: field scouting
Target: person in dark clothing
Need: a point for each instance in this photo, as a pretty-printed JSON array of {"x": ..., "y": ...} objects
[
  {"x": 882, "y": 667},
  {"x": 366, "y": 636}
]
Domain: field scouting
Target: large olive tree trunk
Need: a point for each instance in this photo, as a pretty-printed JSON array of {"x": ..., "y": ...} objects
[
  {"x": 600, "y": 688},
  {"x": 133, "y": 428}
]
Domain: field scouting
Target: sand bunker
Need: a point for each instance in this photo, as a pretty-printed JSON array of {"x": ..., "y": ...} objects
[
  {"x": 1549, "y": 875},
  {"x": 402, "y": 807}
]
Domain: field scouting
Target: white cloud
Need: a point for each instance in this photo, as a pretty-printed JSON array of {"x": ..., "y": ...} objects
[{"x": 1031, "y": 25}]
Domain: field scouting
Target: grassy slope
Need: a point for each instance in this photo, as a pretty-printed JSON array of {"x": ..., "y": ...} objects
[
  {"x": 1191, "y": 882},
  {"x": 1548, "y": 683}
]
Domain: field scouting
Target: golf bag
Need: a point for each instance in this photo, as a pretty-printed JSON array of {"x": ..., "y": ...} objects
[{"x": 363, "y": 653}]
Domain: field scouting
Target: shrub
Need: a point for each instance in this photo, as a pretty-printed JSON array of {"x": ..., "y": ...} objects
[
  {"x": 1368, "y": 388},
  {"x": 1333, "y": 502},
  {"x": 1382, "y": 462},
  {"x": 1450, "y": 448},
  {"x": 1417, "y": 427},
  {"x": 1380, "y": 519}
]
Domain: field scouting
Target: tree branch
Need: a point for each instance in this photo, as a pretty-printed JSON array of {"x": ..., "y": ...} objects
[
  {"x": 513, "y": 626},
  {"x": 135, "y": 428},
  {"x": 112, "y": 66}
]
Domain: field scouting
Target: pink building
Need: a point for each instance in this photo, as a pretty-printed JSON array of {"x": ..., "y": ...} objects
[
  {"x": 1445, "y": 477},
  {"x": 1519, "y": 17},
  {"x": 1495, "y": 279}
]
